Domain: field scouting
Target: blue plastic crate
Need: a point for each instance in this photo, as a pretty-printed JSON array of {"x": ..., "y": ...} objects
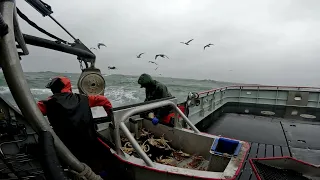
[{"x": 224, "y": 145}]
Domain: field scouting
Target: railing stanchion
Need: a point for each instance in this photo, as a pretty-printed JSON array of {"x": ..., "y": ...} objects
[
  {"x": 257, "y": 100},
  {"x": 318, "y": 99},
  {"x": 239, "y": 99},
  {"x": 277, "y": 96},
  {"x": 201, "y": 107}
]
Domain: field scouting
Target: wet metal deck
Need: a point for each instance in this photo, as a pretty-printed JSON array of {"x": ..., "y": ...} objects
[
  {"x": 270, "y": 137},
  {"x": 245, "y": 127},
  {"x": 260, "y": 151}
]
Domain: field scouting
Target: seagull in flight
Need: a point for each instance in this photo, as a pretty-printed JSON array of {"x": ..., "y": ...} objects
[
  {"x": 156, "y": 68},
  {"x": 187, "y": 43},
  {"x": 112, "y": 67},
  {"x": 161, "y": 55},
  {"x": 139, "y": 56},
  {"x": 153, "y": 62},
  {"x": 101, "y": 44},
  {"x": 208, "y": 45}
]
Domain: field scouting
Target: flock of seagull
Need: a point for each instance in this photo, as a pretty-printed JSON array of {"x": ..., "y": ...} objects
[
  {"x": 156, "y": 56},
  {"x": 153, "y": 62},
  {"x": 187, "y": 43},
  {"x": 99, "y": 45}
]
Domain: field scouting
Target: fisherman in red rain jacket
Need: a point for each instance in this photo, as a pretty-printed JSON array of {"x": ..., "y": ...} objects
[{"x": 71, "y": 117}]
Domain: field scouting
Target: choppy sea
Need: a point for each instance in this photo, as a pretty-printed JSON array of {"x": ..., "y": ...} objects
[{"x": 120, "y": 89}]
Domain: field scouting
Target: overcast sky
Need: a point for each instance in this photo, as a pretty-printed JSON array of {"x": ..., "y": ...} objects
[{"x": 256, "y": 41}]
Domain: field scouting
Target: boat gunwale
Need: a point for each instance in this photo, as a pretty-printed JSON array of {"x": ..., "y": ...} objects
[{"x": 257, "y": 86}]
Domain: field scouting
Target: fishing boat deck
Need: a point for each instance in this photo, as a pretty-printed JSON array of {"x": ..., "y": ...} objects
[{"x": 270, "y": 137}]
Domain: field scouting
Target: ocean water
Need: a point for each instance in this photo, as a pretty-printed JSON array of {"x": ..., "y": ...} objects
[{"x": 120, "y": 89}]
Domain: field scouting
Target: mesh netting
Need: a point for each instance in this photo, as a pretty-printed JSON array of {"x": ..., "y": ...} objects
[{"x": 270, "y": 173}]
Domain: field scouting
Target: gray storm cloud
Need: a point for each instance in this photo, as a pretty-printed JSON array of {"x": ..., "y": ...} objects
[{"x": 266, "y": 42}]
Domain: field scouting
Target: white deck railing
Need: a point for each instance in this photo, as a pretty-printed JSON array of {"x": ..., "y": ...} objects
[{"x": 209, "y": 101}]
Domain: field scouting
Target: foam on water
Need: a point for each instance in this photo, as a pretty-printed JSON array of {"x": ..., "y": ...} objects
[
  {"x": 122, "y": 95},
  {"x": 120, "y": 89},
  {"x": 117, "y": 95},
  {"x": 35, "y": 91}
]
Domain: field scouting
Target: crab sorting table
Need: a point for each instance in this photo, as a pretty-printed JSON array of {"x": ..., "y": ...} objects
[{"x": 159, "y": 150}]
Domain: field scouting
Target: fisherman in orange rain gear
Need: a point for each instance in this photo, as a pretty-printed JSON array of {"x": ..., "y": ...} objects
[{"x": 71, "y": 117}]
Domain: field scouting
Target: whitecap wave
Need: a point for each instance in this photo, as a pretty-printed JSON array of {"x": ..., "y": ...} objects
[
  {"x": 121, "y": 96},
  {"x": 37, "y": 91},
  {"x": 118, "y": 96},
  {"x": 34, "y": 91}
]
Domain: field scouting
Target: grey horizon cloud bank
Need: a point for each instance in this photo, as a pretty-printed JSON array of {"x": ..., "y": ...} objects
[{"x": 266, "y": 42}]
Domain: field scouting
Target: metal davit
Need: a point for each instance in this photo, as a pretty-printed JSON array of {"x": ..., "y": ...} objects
[{"x": 13, "y": 73}]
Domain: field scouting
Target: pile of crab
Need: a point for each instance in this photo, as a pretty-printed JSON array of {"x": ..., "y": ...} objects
[{"x": 160, "y": 151}]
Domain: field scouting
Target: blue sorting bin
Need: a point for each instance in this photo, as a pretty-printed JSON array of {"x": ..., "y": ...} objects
[
  {"x": 226, "y": 146},
  {"x": 222, "y": 150}
]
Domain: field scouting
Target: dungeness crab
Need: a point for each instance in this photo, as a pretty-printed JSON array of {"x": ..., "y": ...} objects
[
  {"x": 127, "y": 148},
  {"x": 160, "y": 151},
  {"x": 145, "y": 147},
  {"x": 179, "y": 155},
  {"x": 159, "y": 143},
  {"x": 145, "y": 133},
  {"x": 168, "y": 161},
  {"x": 196, "y": 161}
]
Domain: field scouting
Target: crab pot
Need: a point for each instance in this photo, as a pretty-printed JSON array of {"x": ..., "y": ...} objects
[{"x": 221, "y": 152}]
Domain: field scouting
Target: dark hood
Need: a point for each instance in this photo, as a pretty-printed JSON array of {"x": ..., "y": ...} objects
[
  {"x": 145, "y": 80},
  {"x": 60, "y": 85}
]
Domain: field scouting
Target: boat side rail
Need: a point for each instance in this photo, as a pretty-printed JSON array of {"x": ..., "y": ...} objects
[
  {"x": 279, "y": 88},
  {"x": 204, "y": 103},
  {"x": 121, "y": 116}
]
